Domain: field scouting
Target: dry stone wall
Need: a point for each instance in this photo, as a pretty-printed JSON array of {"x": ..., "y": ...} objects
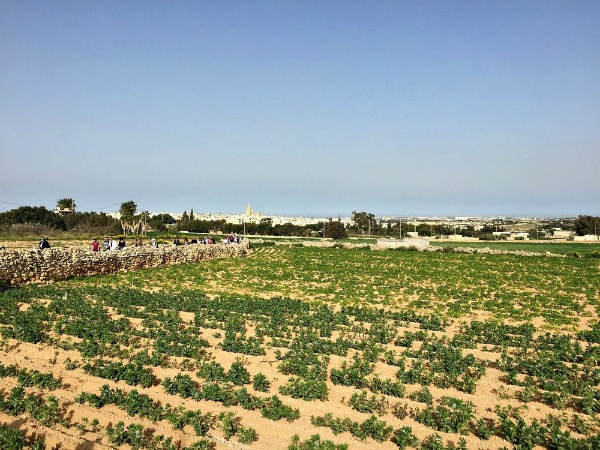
[
  {"x": 37, "y": 266},
  {"x": 421, "y": 245}
]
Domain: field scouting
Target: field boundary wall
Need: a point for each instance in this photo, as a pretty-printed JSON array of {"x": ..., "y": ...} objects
[
  {"x": 43, "y": 266},
  {"x": 412, "y": 245}
]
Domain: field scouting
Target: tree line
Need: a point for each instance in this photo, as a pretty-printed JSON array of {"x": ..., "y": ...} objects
[{"x": 39, "y": 219}]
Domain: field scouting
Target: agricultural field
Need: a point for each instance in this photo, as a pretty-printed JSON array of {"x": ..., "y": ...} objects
[
  {"x": 308, "y": 348},
  {"x": 575, "y": 249}
]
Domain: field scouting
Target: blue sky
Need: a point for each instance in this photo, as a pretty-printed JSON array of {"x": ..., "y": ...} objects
[{"x": 304, "y": 107}]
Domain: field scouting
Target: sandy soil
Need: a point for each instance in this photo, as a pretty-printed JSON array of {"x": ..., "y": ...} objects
[{"x": 272, "y": 435}]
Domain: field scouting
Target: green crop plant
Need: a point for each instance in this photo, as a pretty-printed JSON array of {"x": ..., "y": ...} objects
[
  {"x": 404, "y": 437},
  {"x": 11, "y": 439},
  {"x": 515, "y": 430},
  {"x": 424, "y": 396},
  {"x": 371, "y": 427},
  {"x": 132, "y": 374},
  {"x": 452, "y": 415},
  {"x": 238, "y": 374},
  {"x": 27, "y": 377},
  {"x": 260, "y": 383},
  {"x": 229, "y": 424},
  {"x": 305, "y": 388},
  {"x": 211, "y": 371},
  {"x": 483, "y": 428},
  {"x": 369, "y": 404},
  {"x": 246, "y": 435},
  {"x": 274, "y": 409},
  {"x": 315, "y": 443}
]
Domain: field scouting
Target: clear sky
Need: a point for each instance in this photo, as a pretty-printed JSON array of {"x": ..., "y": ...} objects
[{"x": 302, "y": 107}]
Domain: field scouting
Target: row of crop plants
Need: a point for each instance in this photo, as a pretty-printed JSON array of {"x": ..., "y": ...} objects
[{"x": 447, "y": 284}]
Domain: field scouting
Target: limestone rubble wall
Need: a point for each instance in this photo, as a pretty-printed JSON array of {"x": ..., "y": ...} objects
[
  {"x": 417, "y": 246},
  {"x": 43, "y": 266}
]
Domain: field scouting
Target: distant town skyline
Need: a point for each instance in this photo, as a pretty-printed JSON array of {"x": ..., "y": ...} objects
[
  {"x": 428, "y": 108},
  {"x": 114, "y": 209}
]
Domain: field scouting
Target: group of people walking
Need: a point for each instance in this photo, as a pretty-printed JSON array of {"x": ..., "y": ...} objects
[
  {"x": 109, "y": 244},
  {"x": 112, "y": 244},
  {"x": 229, "y": 239}
]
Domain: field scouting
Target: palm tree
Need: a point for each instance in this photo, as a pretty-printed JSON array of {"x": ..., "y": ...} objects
[{"x": 130, "y": 221}]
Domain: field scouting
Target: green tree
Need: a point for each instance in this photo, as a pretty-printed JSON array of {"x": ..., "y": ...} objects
[
  {"x": 364, "y": 222},
  {"x": 66, "y": 205},
  {"x": 587, "y": 225},
  {"x": 128, "y": 209},
  {"x": 32, "y": 215},
  {"x": 265, "y": 226},
  {"x": 159, "y": 222},
  {"x": 335, "y": 230},
  {"x": 91, "y": 222}
]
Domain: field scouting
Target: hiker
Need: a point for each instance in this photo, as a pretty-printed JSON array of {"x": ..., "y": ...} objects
[{"x": 44, "y": 244}]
